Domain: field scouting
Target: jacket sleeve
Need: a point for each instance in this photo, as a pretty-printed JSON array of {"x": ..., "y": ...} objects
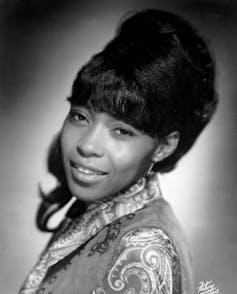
[{"x": 142, "y": 263}]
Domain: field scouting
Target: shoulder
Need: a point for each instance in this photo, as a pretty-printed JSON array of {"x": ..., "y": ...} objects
[{"x": 144, "y": 261}]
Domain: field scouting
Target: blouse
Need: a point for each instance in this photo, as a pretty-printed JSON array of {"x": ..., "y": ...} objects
[{"x": 141, "y": 251}]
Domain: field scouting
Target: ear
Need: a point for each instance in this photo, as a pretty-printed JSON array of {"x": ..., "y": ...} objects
[{"x": 166, "y": 147}]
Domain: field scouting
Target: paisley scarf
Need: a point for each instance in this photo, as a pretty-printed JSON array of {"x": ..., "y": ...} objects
[{"x": 81, "y": 229}]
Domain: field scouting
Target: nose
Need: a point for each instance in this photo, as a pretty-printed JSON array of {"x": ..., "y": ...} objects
[{"x": 91, "y": 143}]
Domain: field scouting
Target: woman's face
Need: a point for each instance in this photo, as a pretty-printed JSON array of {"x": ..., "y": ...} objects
[{"x": 101, "y": 154}]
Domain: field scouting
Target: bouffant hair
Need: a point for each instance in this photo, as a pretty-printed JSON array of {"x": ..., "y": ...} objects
[{"x": 157, "y": 74}]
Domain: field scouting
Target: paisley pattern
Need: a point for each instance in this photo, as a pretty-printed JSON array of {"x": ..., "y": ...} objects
[
  {"x": 111, "y": 234},
  {"x": 80, "y": 230},
  {"x": 143, "y": 263}
]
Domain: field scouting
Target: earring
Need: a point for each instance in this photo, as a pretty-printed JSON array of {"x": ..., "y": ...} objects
[{"x": 149, "y": 172}]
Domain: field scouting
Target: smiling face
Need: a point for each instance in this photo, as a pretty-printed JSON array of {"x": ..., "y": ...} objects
[{"x": 102, "y": 155}]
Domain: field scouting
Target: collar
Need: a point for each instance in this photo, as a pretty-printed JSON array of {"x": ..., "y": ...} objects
[{"x": 98, "y": 215}]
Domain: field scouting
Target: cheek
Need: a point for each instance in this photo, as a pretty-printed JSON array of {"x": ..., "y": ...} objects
[
  {"x": 68, "y": 141},
  {"x": 133, "y": 158}
]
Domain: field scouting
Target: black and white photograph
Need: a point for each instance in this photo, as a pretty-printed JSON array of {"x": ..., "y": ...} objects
[{"x": 118, "y": 134}]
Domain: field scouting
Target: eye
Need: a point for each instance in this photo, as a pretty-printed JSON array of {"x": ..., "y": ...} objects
[
  {"x": 77, "y": 116},
  {"x": 123, "y": 132}
]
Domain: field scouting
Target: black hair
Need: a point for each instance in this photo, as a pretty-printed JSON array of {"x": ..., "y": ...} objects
[{"x": 156, "y": 74}]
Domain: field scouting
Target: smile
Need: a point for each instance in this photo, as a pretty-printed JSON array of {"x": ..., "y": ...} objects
[
  {"x": 87, "y": 171},
  {"x": 86, "y": 174}
]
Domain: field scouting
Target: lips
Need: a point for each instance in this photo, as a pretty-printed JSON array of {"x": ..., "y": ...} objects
[{"x": 86, "y": 169}]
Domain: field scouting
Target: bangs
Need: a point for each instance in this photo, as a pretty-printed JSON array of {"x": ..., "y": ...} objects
[{"x": 114, "y": 91}]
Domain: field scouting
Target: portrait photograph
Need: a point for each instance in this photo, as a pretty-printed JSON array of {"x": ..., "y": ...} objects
[{"x": 118, "y": 134}]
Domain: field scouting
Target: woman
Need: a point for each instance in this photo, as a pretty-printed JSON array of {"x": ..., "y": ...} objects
[{"x": 136, "y": 108}]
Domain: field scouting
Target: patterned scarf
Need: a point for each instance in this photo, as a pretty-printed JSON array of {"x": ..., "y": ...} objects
[{"x": 83, "y": 228}]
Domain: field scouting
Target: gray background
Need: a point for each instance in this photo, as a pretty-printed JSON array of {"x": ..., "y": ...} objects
[{"x": 43, "y": 44}]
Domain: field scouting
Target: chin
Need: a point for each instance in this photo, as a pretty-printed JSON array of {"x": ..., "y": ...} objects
[{"x": 86, "y": 193}]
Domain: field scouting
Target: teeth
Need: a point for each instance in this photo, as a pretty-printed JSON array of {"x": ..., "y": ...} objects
[{"x": 87, "y": 171}]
